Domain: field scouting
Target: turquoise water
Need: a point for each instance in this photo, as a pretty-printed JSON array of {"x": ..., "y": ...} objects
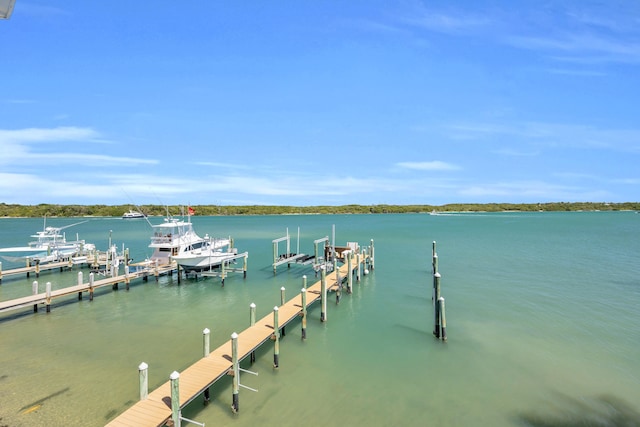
[{"x": 542, "y": 323}]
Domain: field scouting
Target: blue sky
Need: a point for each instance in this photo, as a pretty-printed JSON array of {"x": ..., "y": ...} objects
[{"x": 319, "y": 102}]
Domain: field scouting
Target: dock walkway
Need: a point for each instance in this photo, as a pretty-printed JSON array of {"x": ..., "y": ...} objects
[
  {"x": 44, "y": 298},
  {"x": 156, "y": 410}
]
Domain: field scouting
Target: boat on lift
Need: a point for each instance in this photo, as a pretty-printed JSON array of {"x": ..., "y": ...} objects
[
  {"x": 211, "y": 254},
  {"x": 175, "y": 237},
  {"x": 49, "y": 245}
]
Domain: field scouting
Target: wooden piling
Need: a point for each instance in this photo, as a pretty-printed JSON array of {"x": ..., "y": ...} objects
[
  {"x": 244, "y": 266},
  {"x": 303, "y": 295},
  {"x": 143, "y": 372},
  {"x": 223, "y": 272},
  {"x": 373, "y": 256},
  {"x": 350, "y": 274},
  {"x": 235, "y": 406},
  {"x": 206, "y": 342},
  {"x": 127, "y": 279},
  {"x": 91, "y": 279},
  {"x": 304, "y": 281},
  {"x": 34, "y": 290},
  {"x": 252, "y": 322},
  {"x": 276, "y": 337},
  {"x": 323, "y": 294},
  {"x": 434, "y": 263},
  {"x": 358, "y": 267},
  {"x": 80, "y": 283},
  {"x": 175, "y": 399},
  {"x": 48, "y": 293},
  {"x": 436, "y": 307},
  {"x": 443, "y": 319},
  {"x": 338, "y": 281},
  {"x": 282, "y": 301}
]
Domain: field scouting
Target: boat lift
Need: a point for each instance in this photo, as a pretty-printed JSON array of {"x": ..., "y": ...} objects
[
  {"x": 322, "y": 254},
  {"x": 288, "y": 257}
]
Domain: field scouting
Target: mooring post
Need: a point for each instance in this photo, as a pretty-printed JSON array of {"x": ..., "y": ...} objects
[
  {"x": 156, "y": 273},
  {"x": 358, "y": 266},
  {"x": 34, "y": 290},
  {"x": 276, "y": 336},
  {"x": 252, "y": 314},
  {"x": 275, "y": 256},
  {"x": 48, "y": 291},
  {"x": 373, "y": 256},
  {"x": 443, "y": 319},
  {"x": 143, "y": 371},
  {"x": 436, "y": 288},
  {"x": 206, "y": 344},
  {"x": 37, "y": 268},
  {"x": 303, "y": 296},
  {"x": 304, "y": 281},
  {"x": 436, "y": 310},
  {"x": 323, "y": 294},
  {"x": 206, "y": 341},
  {"x": 80, "y": 284},
  {"x": 433, "y": 249},
  {"x": 127, "y": 279},
  {"x": 91, "y": 278},
  {"x": 222, "y": 272},
  {"x": 282, "y": 300},
  {"x": 175, "y": 399},
  {"x": 350, "y": 273},
  {"x": 252, "y": 322},
  {"x": 336, "y": 275},
  {"x": 435, "y": 263},
  {"x": 244, "y": 266},
  {"x": 236, "y": 372}
]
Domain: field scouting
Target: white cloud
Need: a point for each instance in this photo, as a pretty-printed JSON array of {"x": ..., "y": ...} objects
[
  {"x": 20, "y": 146},
  {"x": 44, "y": 135},
  {"x": 550, "y": 134},
  {"x": 435, "y": 165}
]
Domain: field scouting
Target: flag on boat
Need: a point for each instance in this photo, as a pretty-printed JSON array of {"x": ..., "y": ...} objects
[{"x": 191, "y": 210}]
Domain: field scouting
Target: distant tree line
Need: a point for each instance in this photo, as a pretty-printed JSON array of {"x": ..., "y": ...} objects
[{"x": 41, "y": 210}]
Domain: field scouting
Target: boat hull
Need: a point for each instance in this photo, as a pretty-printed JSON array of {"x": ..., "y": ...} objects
[{"x": 204, "y": 260}]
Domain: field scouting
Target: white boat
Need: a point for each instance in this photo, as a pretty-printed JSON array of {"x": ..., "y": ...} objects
[
  {"x": 209, "y": 255},
  {"x": 49, "y": 245},
  {"x": 133, "y": 215},
  {"x": 176, "y": 237}
]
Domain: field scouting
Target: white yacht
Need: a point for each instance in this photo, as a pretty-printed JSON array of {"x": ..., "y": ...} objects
[
  {"x": 211, "y": 253},
  {"x": 49, "y": 245},
  {"x": 174, "y": 238},
  {"x": 133, "y": 215}
]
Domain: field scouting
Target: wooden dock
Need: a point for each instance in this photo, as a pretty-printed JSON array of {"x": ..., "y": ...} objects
[
  {"x": 156, "y": 409},
  {"x": 37, "y": 268},
  {"x": 47, "y": 297}
]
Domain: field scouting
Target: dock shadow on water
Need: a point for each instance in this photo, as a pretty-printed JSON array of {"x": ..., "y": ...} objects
[
  {"x": 34, "y": 406},
  {"x": 602, "y": 411}
]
